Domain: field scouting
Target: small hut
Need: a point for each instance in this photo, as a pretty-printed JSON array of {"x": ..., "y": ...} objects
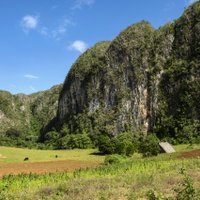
[{"x": 166, "y": 147}]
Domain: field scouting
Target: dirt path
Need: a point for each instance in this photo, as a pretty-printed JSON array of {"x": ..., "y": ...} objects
[
  {"x": 190, "y": 154},
  {"x": 44, "y": 167}
]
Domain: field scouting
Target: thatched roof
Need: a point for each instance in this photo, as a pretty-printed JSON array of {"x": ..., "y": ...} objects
[{"x": 166, "y": 147}]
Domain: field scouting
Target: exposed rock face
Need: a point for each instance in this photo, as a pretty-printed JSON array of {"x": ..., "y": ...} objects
[
  {"x": 129, "y": 62},
  {"x": 125, "y": 81},
  {"x": 114, "y": 77},
  {"x": 82, "y": 84}
]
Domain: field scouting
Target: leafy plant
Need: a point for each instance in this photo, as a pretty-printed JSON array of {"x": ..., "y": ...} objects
[
  {"x": 113, "y": 159},
  {"x": 186, "y": 188}
]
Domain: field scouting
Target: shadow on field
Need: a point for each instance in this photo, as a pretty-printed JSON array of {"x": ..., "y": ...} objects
[{"x": 97, "y": 154}]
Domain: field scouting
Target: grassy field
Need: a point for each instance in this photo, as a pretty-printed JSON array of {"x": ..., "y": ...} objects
[
  {"x": 134, "y": 178},
  {"x": 17, "y": 155}
]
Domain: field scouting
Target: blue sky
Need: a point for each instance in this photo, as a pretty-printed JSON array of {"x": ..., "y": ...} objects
[{"x": 41, "y": 39}]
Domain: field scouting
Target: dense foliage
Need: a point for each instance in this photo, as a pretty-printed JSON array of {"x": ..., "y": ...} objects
[{"x": 179, "y": 114}]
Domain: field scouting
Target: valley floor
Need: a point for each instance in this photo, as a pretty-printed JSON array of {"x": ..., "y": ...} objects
[
  {"x": 165, "y": 175},
  {"x": 63, "y": 165}
]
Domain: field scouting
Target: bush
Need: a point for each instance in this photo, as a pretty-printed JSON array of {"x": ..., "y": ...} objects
[
  {"x": 149, "y": 146},
  {"x": 105, "y": 145},
  {"x": 113, "y": 159},
  {"x": 125, "y": 144}
]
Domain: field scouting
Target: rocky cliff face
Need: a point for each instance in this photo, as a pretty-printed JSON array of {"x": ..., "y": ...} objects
[
  {"x": 137, "y": 81},
  {"x": 116, "y": 76}
]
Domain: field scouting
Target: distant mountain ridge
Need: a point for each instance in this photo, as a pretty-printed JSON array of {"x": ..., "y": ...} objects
[{"x": 27, "y": 114}]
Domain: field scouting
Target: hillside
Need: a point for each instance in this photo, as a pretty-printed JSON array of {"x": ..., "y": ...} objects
[
  {"x": 23, "y": 116},
  {"x": 143, "y": 81}
]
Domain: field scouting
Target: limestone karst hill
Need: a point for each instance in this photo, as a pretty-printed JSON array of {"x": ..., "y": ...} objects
[{"x": 144, "y": 80}]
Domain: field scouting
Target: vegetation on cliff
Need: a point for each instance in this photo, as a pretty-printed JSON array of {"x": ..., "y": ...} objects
[{"x": 144, "y": 81}]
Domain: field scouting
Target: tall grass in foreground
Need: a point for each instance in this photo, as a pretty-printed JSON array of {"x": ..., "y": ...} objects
[{"x": 131, "y": 179}]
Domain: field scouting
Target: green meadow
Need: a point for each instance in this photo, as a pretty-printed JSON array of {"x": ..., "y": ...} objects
[
  {"x": 161, "y": 177},
  {"x": 17, "y": 155}
]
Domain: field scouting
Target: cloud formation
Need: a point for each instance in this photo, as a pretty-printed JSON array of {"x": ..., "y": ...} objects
[
  {"x": 80, "y": 3},
  {"x": 78, "y": 45},
  {"x": 61, "y": 29},
  {"x": 58, "y": 32},
  {"x": 54, "y": 7},
  {"x": 29, "y": 22},
  {"x": 32, "y": 88},
  {"x": 189, "y": 2},
  {"x": 44, "y": 31},
  {"x": 31, "y": 76}
]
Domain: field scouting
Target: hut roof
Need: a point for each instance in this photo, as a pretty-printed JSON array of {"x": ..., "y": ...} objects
[{"x": 166, "y": 147}]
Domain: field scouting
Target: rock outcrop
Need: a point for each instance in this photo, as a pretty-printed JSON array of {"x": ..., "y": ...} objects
[{"x": 138, "y": 81}]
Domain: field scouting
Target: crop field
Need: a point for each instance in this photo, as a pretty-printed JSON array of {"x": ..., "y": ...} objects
[
  {"x": 45, "y": 161},
  {"x": 81, "y": 175}
]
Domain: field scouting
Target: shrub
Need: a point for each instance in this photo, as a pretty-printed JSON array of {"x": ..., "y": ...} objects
[
  {"x": 113, "y": 159},
  {"x": 149, "y": 146},
  {"x": 105, "y": 145},
  {"x": 125, "y": 144}
]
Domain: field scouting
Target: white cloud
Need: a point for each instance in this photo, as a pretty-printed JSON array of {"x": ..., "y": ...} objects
[
  {"x": 32, "y": 88},
  {"x": 29, "y": 22},
  {"x": 58, "y": 33},
  {"x": 31, "y": 76},
  {"x": 80, "y": 3},
  {"x": 78, "y": 45},
  {"x": 44, "y": 31},
  {"x": 54, "y": 7},
  {"x": 189, "y": 2}
]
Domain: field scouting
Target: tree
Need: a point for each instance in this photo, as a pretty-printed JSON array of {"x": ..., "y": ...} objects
[
  {"x": 125, "y": 144},
  {"x": 105, "y": 145},
  {"x": 13, "y": 133},
  {"x": 149, "y": 146}
]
